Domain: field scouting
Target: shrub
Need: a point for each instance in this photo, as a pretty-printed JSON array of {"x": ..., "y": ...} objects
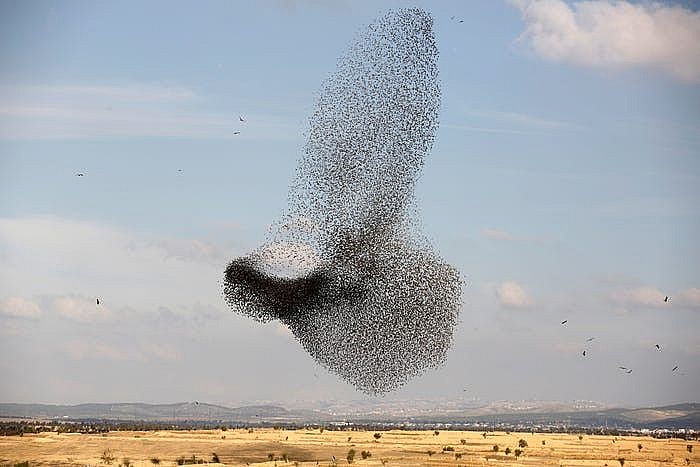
[
  {"x": 22, "y": 464},
  {"x": 351, "y": 456},
  {"x": 483, "y": 434},
  {"x": 430, "y": 452},
  {"x": 285, "y": 457},
  {"x": 495, "y": 448},
  {"x": 126, "y": 462},
  {"x": 689, "y": 448},
  {"x": 448, "y": 448},
  {"x": 436, "y": 432},
  {"x": 507, "y": 451},
  {"x": 522, "y": 443},
  {"x": 580, "y": 437},
  {"x": 377, "y": 435},
  {"x": 543, "y": 443},
  {"x": 155, "y": 461},
  {"x": 639, "y": 447},
  {"x": 463, "y": 441},
  {"x": 621, "y": 460},
  {"x": 107, "y": 457},
  {"x": 517, "y": 452},
  {"x": 366, "y": 454},
  {"x": 214, "y": 457},
  {"x": 458, "y": 455},
  {"x": 271, "y": 456},
  {"x": 320, "y": 430},
  {"x": 349, "y": 438}
]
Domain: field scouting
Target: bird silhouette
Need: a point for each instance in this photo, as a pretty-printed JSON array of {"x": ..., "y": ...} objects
[
  {"x": 97, "y": 300},
  {"x": 584, "y": 353},
  {"x": 675, "y": 368},
  {"x": 565, "y": 321},
  {"x": 236, "y": 132},
  {"x": 590, "y": 339},
  {"x": 80, "y": 174},
  {"x": 241, "y": 119},
  {"x": 666, "y": 299},
  {"x": 658, "y": 347}
]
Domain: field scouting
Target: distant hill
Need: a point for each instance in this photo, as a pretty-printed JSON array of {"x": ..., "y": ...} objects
[{"x": 531, "y": 414}]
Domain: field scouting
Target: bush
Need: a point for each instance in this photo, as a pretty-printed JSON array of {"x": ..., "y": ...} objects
[
  {"x": 463, "y": 441},
  {"x": 639, "y": 447},
  {"x": 366, "y": 454},
  {"x": 285, "y": 457},
  {"x": 22, "y": 464},
  {"x": 458, "y": 455},
  {"x": 320, "y": 430},
  {"x": 543, "y": 443},
  {"x": 448, "y": 448},
  {"x": 351, "y": 456},
  {"x": 522, "y": 443},
  {"x": 377, "y": 435},
  {"x": 107, "y": 457},
  {"x": 430, "y": 452},
  {"x": 507, "y": 451},
  {"x": 155, "y": 461},
  {"x": 126, "y": 462},
  {"x": 436, "y": 432},
  {"x": 495, "y": 448},
  {"x": 689, "y": 448},
  {"x": 517, "y": 453},
  {"x": 214, "y": 457},
  {"x": 621, "y": 460},
  {"x": 271, "y": 456}
]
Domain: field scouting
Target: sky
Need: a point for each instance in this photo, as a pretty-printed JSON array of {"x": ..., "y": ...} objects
[{"x": 564, "y": 184}]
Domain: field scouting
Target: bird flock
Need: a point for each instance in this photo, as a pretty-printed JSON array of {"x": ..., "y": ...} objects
[{"x": 374, "y": 303}]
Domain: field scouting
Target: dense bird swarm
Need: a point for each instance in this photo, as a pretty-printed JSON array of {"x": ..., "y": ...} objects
[{"x": 346, "y": 269}]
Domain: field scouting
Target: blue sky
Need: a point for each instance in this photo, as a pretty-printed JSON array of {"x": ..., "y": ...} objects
[{"x": 564, "y": 184}]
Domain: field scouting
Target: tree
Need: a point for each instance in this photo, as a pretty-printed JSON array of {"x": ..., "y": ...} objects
[
  {"x": 351, "y": 456},
  {"x": 522, "y": 443},
  {"x": 366, "y": 454},
  {"x": 639, "y": 447},
  {"x": 621, "y": 460},
  {"x": 517, "y": 452}
]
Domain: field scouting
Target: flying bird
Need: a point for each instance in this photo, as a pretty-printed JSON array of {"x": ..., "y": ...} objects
[
  {"x": 658, "y": 347},
  {"x": 584, "y": 353},
  {"x": 622, "y": 367},
  {"x": 236, "y": 132},
  {"x": 80, "y": 174},
  {"x": 666, "y": 299},
  {"x": 97, "y": 300},
  {"x": 629, "y": 370},
  {"x": 565, "y": 321},
  {"x": 675, "y": 368},
  {"x": 590, "y": 339},
  {"x": 241, "y": 119}
]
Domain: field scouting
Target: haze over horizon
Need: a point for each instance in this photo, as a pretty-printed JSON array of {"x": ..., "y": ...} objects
[{"x": 564, "y": 185}]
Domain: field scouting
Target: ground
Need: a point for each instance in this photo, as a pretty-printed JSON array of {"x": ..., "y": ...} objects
[{"x": 309, "y": 447}]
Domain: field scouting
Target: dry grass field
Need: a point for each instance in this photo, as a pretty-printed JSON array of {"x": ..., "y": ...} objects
[{"x": 311, "y": 447}]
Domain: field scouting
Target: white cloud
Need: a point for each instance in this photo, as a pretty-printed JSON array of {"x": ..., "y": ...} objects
[
  {"x": 615, "y": 34},
  {"x": 647, "y": 296},
  {"x": 81, "y": 309},
  {"x": 513, "y": 295},
  {"x": 689, "y": 298},
  {"x": 494, "y": 234},
  {"x": 20, "y": 308}
]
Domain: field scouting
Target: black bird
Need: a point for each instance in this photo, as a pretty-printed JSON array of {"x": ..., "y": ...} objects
[
  {"x": 565, "y": 321},
  {"x": 666, "y": 299},
  {"x": 80, "y": 174},
  {"x": 675, "y": 368},
  {"x": 590, "y": 339},
  {"x": 236, "y": 132},
  {"x": 241, "y": 119},
  {"x": 629, "y": 370},
  {"x": 97, "y": 300},
  {"x": 584, "y": 353},
  {"x": 622, "y": 367},
  {"x": 658, "y": 347}
]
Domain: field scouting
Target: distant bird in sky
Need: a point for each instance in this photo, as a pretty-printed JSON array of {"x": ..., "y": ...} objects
[
  {"x": 658, "y": 347},
  {"x": 565, "y": 321},
  {"x": 236, "y": 132},
  {"x": 241, "y": 119},
  {"x": 666, "y": 299},
  {"x": 675, "y": 368},
  {"x": 625, "y": 369},
  {"x": 80, "y": 174},
  {"x": 584, "y": 353},
  {"x": 629, "y": 370},
  {"x": 97, "y": 300},
  {"x": 179, "y": 170},
  {"x": 590, "y": 339}
]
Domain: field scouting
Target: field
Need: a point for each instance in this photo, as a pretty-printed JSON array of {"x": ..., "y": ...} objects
[{"x": 311, "y": 447}]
